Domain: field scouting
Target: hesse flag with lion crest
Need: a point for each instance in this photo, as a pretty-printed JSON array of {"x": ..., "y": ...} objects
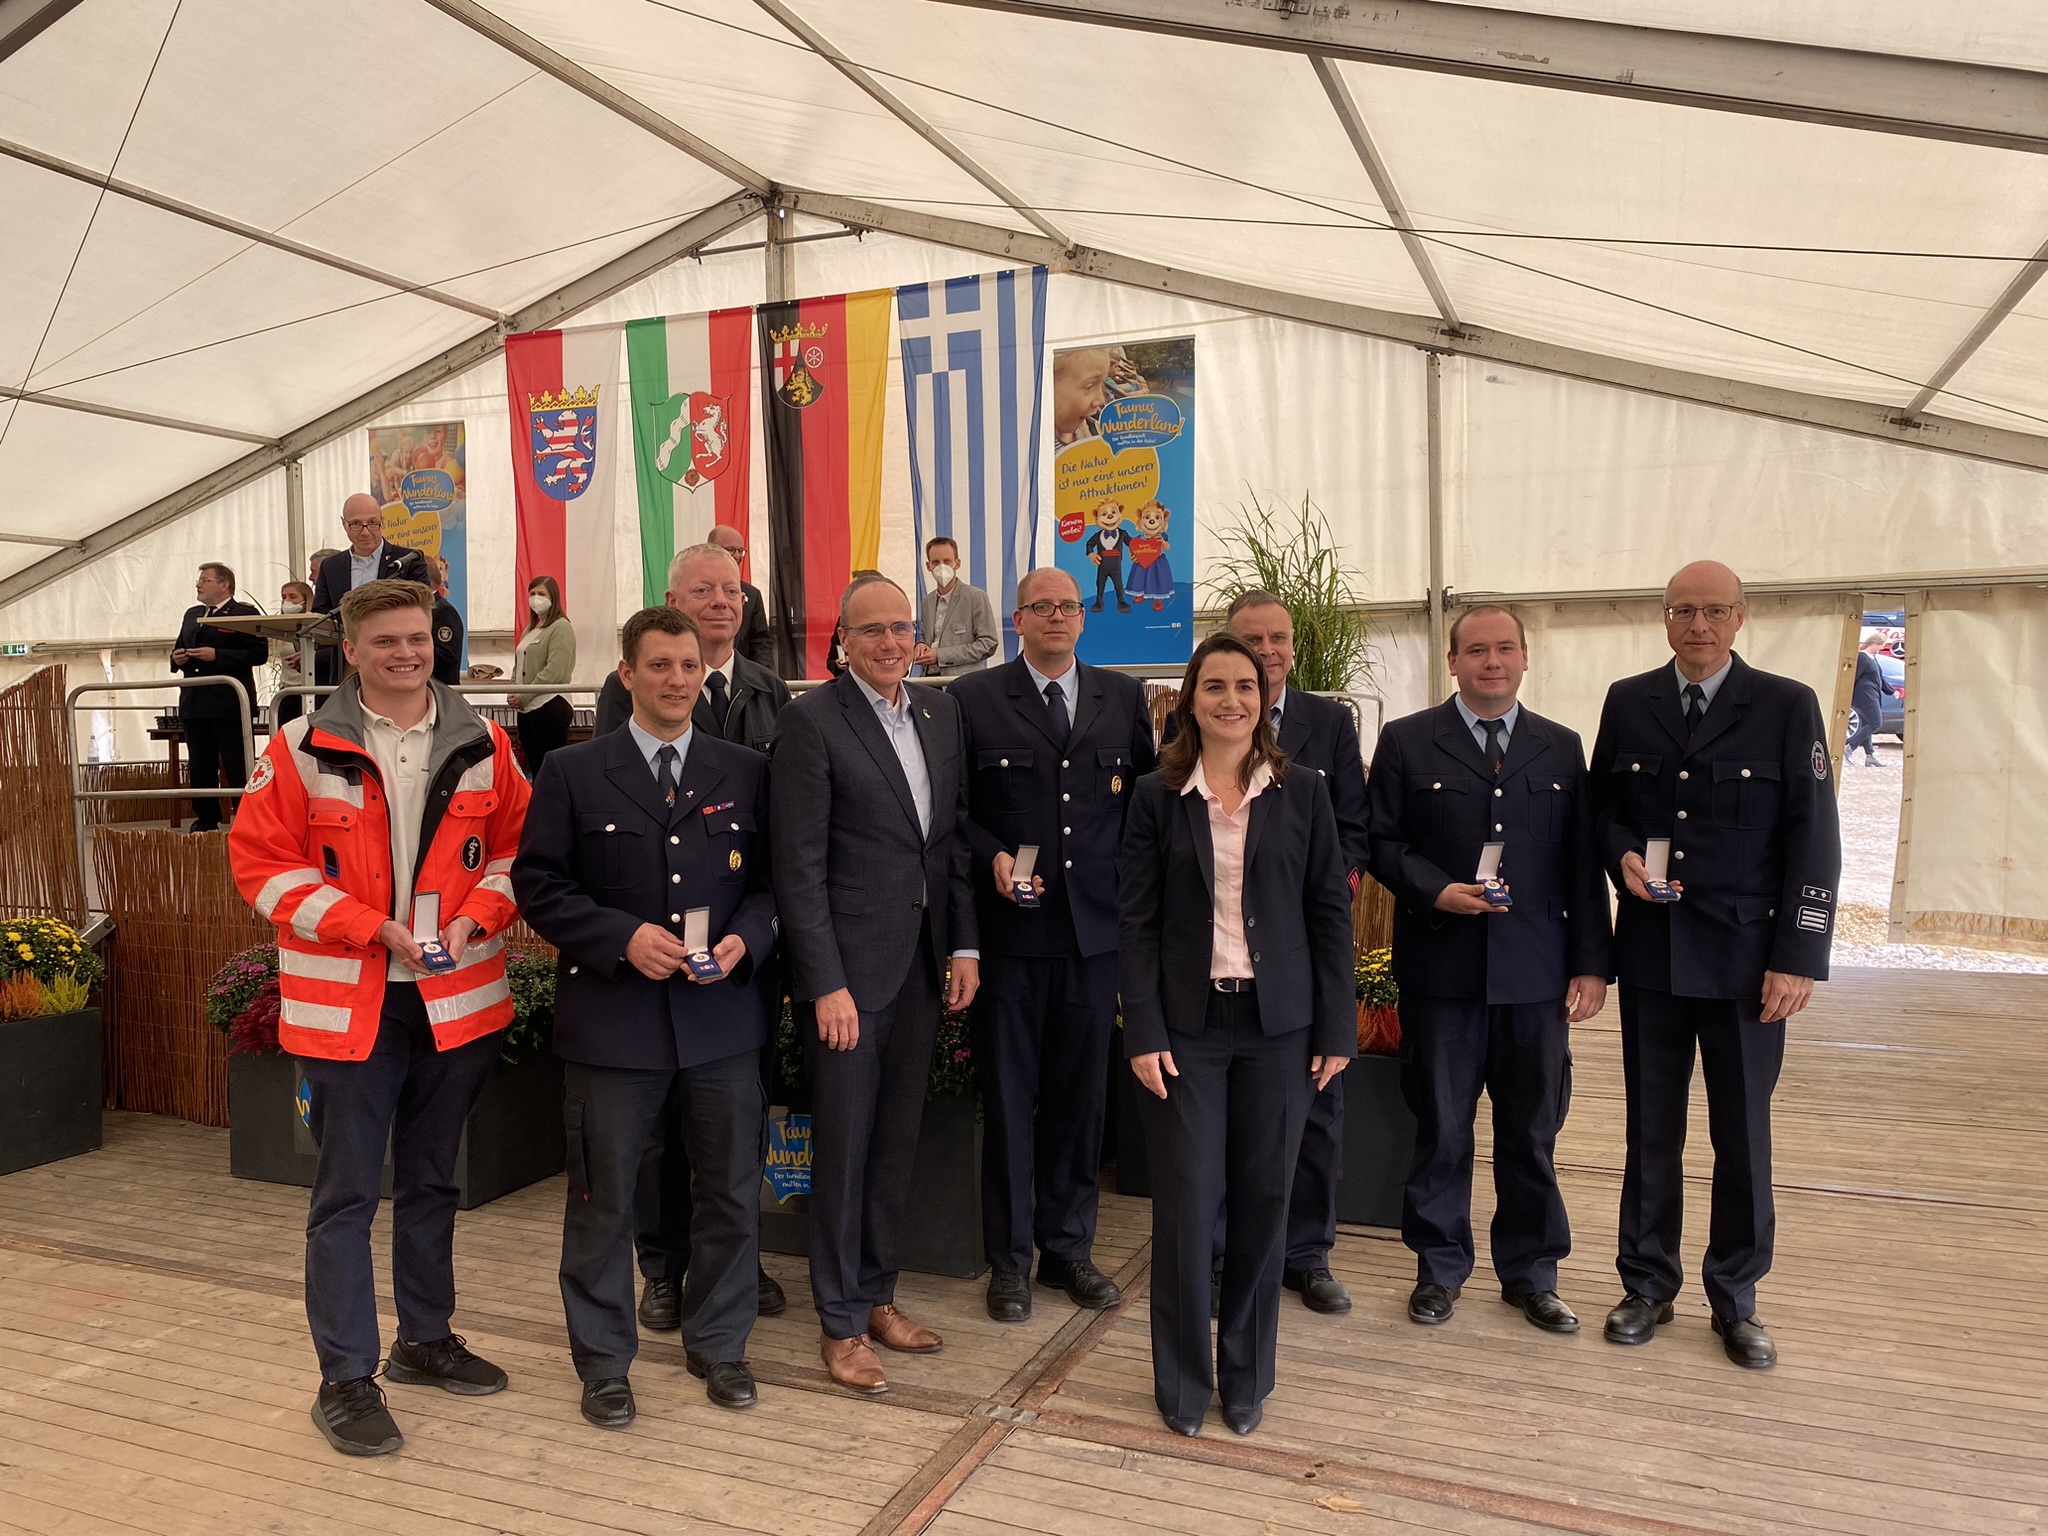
[
  {"x": 824, "y": 377},
  {"x": 563, "y": 389},
  {"x": 692, "y": 418}
]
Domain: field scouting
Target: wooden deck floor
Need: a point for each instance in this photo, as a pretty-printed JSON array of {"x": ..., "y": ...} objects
[{"x": 155, "y": 1371}]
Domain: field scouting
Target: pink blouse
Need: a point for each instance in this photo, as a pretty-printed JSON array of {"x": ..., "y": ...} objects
[{"x": 1229, "y": 954}]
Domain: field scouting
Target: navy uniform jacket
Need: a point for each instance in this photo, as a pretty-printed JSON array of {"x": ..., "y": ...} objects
[
  {"x": 602, "y": 854},
  {"x": 1321, "y": 734},
  {"x": 336, "y": 572},
  {"x": 1750, "y": 812},
  {"x": 447, "y": 642},
  {"x": 855, "y": 877},
  {"x": 1296, "y": 904},
  {"x": 1434, "y": 801},
  {"x": 1067, "y": 798},
  {"x": 756, "y": 697},
  {"x": 235, "y": 655}
]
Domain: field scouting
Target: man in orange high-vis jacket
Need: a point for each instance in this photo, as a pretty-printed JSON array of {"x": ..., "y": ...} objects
[{"x": 378, "y": 835}]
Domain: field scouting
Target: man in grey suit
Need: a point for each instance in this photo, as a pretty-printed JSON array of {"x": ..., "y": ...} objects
[
  {"x": 957, "y": 621},
  {"x": 868, "y": 818}
]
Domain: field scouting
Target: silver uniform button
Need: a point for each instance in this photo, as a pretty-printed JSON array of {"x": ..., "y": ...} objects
[
  {"x": 610, "y": 827},
  {"x": 675, "y": 839},
  {"x": 1066, "y": 797},
  {"x": 1683, "y": 774},
  {"x": 1681, "y": 815},
  {"x": 675, "y": 879},
  {"x": 1068, "y": 865},
  {"x": 1635, "y": 767},
  {"x": 574, "y": 969},
  {"x": 1497, "y": 794},
  {"x": 1065, "y": 764},
  {"x": 675, "y": 917},
  {"x": 1004, "y": 763},
  {"x": 1067, "y": 831},
  {"x": 735, "y": 826},
  {"x": 1496, "y": 826},
  {"x": 1557, "y": 786},
  {"x": 1678, "y": 853},
  {"x": 1439, "y": 784},
  {"x": 1745, "y": 773}
]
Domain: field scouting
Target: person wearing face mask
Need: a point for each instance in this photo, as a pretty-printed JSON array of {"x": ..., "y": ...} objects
[
  {"x": 293, "y": 597},
  {"x": 210, "y": 717},
  {"x": 957, "y": 621},
  {"x": 546, "y": 653}
]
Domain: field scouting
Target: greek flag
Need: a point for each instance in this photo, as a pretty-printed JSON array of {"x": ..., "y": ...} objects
[{"x": 971, "y": 390}]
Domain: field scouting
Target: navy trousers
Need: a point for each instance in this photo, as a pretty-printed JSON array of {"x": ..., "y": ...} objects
[
  {"x": 413, "y": 1098},
  {"x": 1039, "y": 1038},
  {"x": 1520, "y": 1054},
  {"x": 867, "y": 1107},
  {"x": 610, "y": 1114},
  {"x": 1740, "y": 1057},
  {"x": 1227, "y": 1132}
]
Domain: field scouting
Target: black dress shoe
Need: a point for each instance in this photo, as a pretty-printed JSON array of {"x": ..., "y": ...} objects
[
  {"x": 1746, "y": 1343},
  {"x": 768, "y": 1298},
  {"x": 352, "y": 1415},
  {"x": 727, "y": 1383},
  {"x": 1009, "y": 1296},
  {"x": 608, "y": 1402},
  {"x": 1430, "y": 1303},
  {"x": 661, "y": 1306},
  {"x": 1243, "y": 1421},
  {"x": 1188, "y": 1427},
  {"x": 1545, "y": 1309},
  {"x": 1320, "y": 1290},
  {"x": 1086, "y": 1286},
  {"x": 444, "y": 1363},
  {"x": 1635, "y": 1320}
]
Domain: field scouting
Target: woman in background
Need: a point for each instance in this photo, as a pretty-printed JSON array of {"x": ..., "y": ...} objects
[
  {"x": 1238, "y": 1006},
  {"x": 546, "y": 654},
  {"x": 293, "y": 597}
]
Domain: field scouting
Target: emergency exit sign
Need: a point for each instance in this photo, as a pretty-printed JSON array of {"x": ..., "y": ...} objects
[{"x": 14, "y": 648}]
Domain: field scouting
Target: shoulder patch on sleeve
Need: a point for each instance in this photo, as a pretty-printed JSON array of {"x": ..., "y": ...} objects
[
  {"x": 264, "y": 771},
  {"x": 445, "y": 633},
  {"x": 1820, "y": 762}
]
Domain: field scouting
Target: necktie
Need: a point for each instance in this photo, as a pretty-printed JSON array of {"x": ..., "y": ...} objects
[
  {"x": 1494, "y": 752},
  {"x": 666, "y": 773},
  {"x": 1056, "y": 707},
  {"x": 1273, "y": 715},
  {"x": 1695, "y": 706},
  {"x": 721, "y": 701}
]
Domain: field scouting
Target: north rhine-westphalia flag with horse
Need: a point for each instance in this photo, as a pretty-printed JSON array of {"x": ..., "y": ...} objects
[
  {"x": 563, "y": 389},
  {"x": 692, "y": 383}
]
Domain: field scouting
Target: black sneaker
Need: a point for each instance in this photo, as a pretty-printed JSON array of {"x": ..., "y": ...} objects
[
  {"x": 352, "y": 1415},
  {"x": 445, "y": 1363}
]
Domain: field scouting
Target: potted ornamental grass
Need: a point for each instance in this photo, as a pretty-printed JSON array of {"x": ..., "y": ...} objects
[
  {"x": 942, "y": 1226},
  {"x": 513, "y": 1137},
  {"x": 50, "y": 1043}
]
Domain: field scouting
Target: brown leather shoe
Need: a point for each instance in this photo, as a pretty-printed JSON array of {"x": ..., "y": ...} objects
[
  {"x": 853, "y": 1364},
  {"x": 895, "y": 1331}
]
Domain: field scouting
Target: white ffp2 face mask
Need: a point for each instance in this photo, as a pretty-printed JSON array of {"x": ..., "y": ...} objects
[
  {"x": 539, "y": 602},
  {"x": 294, "y": 606},
  {"x": 943, "y": 574}
]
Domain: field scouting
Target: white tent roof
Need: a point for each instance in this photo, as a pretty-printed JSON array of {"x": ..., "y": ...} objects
[{"x": 230, "y": 221}]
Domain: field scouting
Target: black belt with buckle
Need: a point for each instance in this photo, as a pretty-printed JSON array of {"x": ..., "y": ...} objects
[{"x": 1233, "y": 983}]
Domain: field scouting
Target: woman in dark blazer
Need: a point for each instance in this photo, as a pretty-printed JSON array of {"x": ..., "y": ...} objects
[{"x": 1238, "y": 1006}]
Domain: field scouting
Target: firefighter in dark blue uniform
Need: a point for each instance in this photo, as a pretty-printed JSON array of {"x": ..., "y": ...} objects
[
  {"x": 1730, "y": 765},
  {"x": 1488, "y": 993}
]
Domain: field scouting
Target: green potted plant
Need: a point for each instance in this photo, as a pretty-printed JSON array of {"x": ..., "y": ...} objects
[
  {"x": 50, "y": 1043},
  {"x": 942, "y": 1228},
  {"x": 1292, "y": 553},
  {"x": 513, "y": 1137}
]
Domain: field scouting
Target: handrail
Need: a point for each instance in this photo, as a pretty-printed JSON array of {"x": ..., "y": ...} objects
[{"x": 88, "y": 880}]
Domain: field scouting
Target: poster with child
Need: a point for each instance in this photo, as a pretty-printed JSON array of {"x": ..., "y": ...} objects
[{"x": 1124, "y": 495}]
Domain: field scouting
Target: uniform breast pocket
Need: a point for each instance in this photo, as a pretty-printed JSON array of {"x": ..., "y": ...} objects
[
  {"x": 1112, "y": 772},
  {"x": 1550, "y": 798},
  {"x": 1438, "y": 800},
  {"x": 1746, "y": 795},
  {"x": 612, "y": 850},
  {"x": 731, "y": 833},
  {"x": 1002, "y": 779},
  {"x": 1634, "y": 781}
]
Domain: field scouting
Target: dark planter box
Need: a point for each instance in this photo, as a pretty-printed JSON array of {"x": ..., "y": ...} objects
[
  {"x": 1379, "y": 1143},
  {"x": 513, "y": 1138},
  {"x": 942, "y": 1227},
  {"x": 49, "y": 1088}
]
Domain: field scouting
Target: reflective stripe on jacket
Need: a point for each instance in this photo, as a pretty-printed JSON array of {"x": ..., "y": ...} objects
[{"x": 311, "y": 852}]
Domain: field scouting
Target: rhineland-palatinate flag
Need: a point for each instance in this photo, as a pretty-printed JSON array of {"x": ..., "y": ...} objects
[
  {"x": 824, "y": 378},
  {"x": 563, "y": 389},
  {"x": 692, "y": 420}
]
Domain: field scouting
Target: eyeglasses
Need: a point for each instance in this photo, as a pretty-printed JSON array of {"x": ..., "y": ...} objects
[
  {"x": 1715, "y": 613},
  {"x": 1045, "y": 608},
  {"x": 363, "y": 523},
  {"x": 874, "y": 632}
]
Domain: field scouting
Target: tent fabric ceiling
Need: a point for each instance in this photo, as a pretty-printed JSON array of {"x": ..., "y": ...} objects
[{"x": 389, "y": 134}]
